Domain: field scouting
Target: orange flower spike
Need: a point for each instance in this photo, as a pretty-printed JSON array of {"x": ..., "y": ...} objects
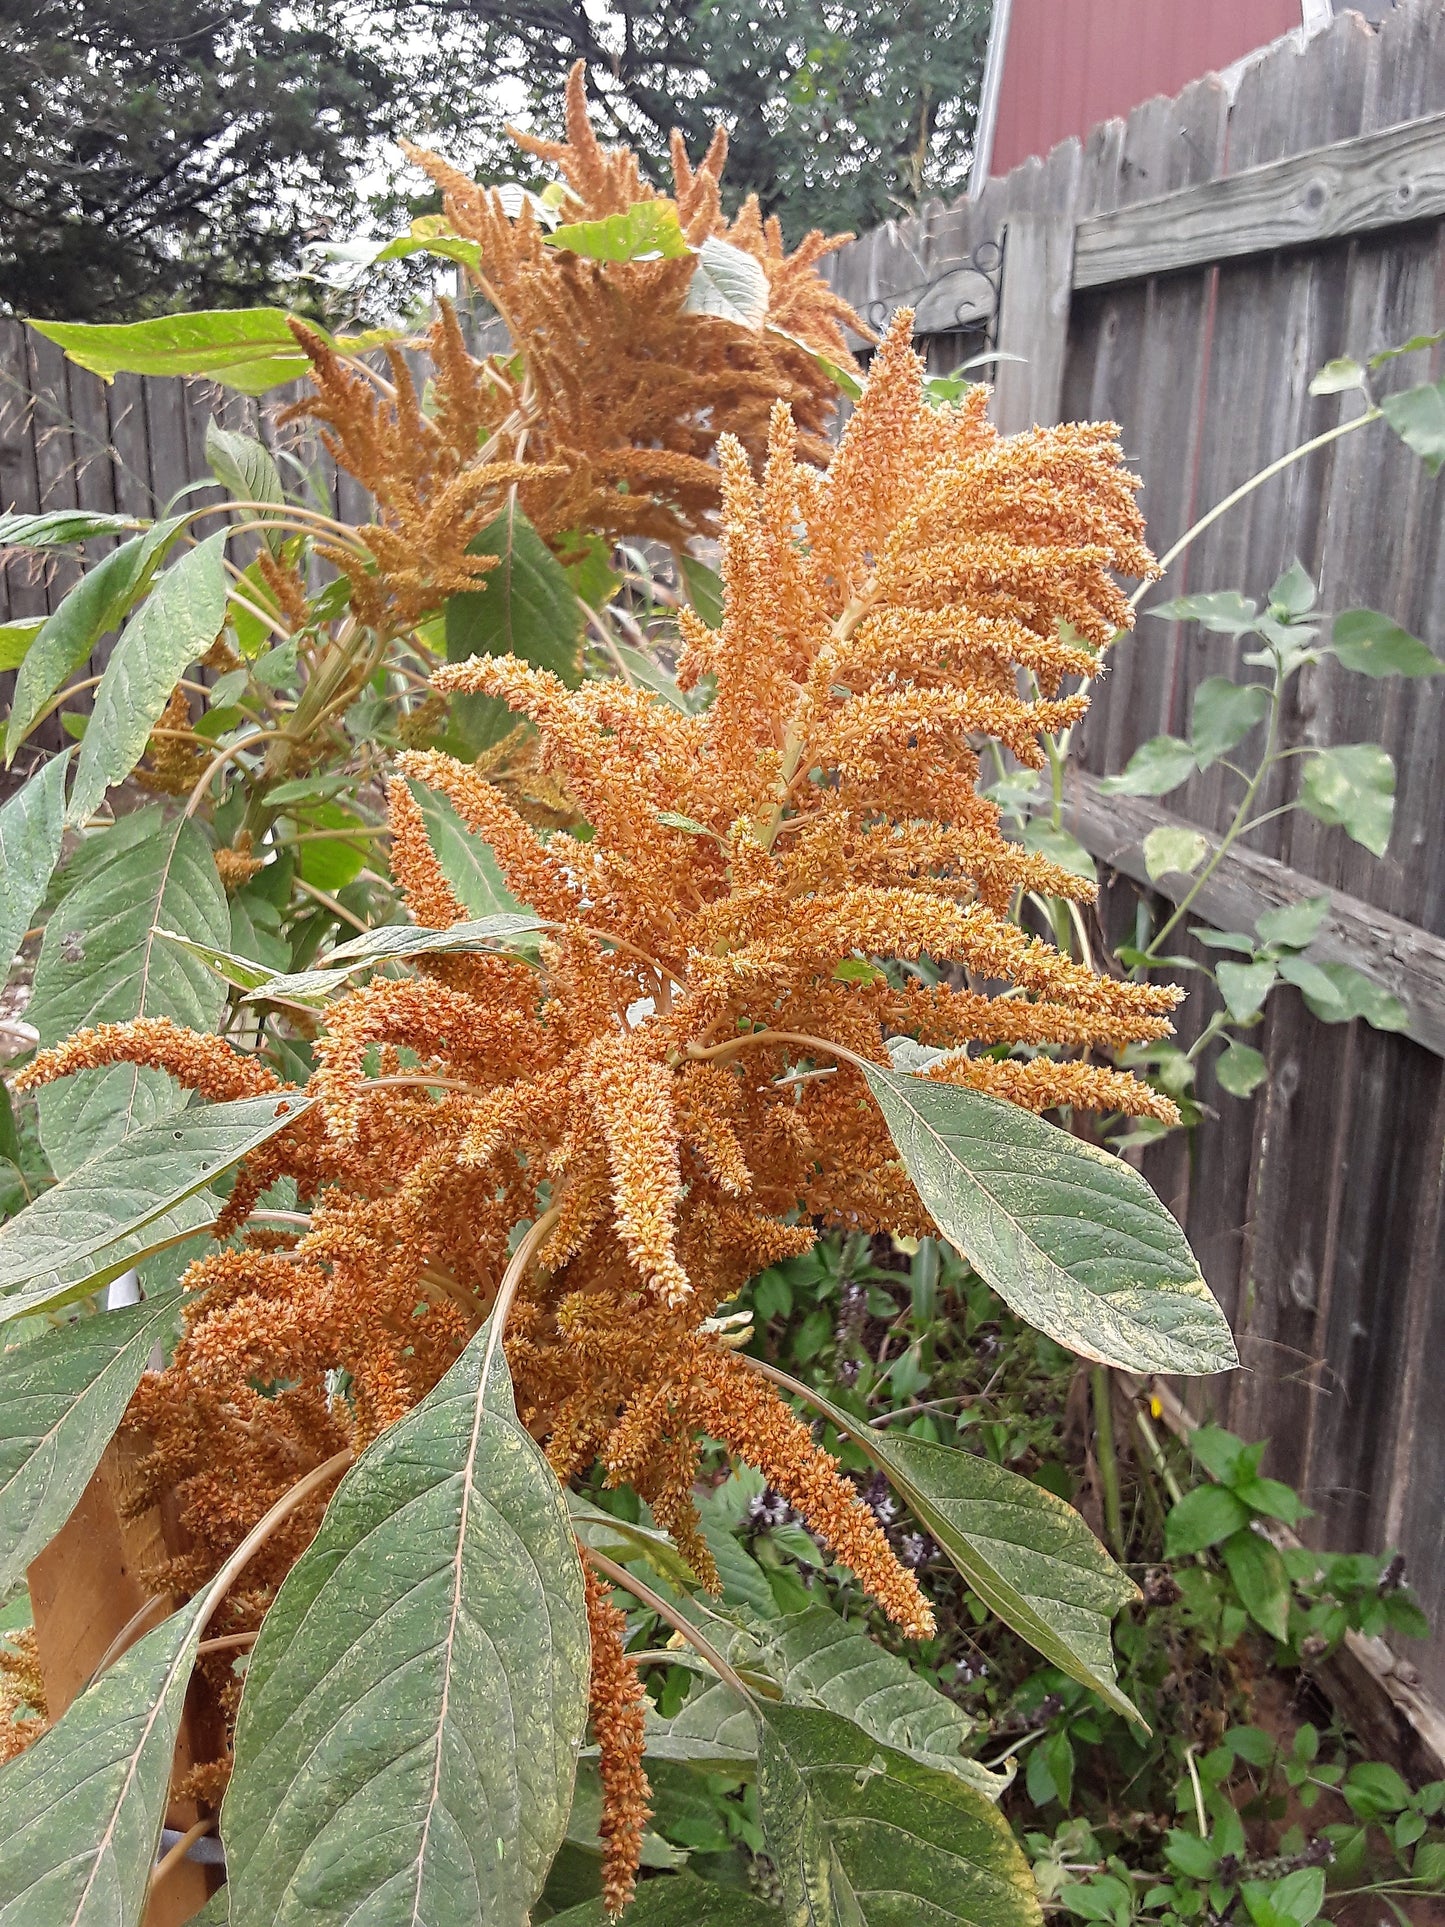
[
  {"x": 429, "y": 896},
  {"x": 633, "y": 1101},
  {"x": 618, "y": 1706},
  {"x": 205, "y": 1064}
]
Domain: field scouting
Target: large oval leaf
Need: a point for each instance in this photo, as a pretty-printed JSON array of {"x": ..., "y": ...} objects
[
  {"x": 1028, "y": 1555},
  {"x": 31, "y": 826},
  {"x": 61, "y": 1398},
  {"x": 84, "y": 1803},
  {"x": 96, "y": 605},
  {"x": 177, "y": 624},
  {"x": 398, "y": 942},
  {"x": 525, "y": 607},
  {"x": 408, "y": 1737},
  {"x": 247, "y": 348},
  {"x": 864, "y": 1836},
  {"x": 678, "y": 1901},
  {"x": 102, "y": 961},
  {"x": 1070, "y": 1237},
  {"x": 130, "y": 1186}
]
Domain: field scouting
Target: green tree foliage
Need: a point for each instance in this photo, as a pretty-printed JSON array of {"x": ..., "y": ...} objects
[
  {"x": 840, "y": 115},
  {"x": 161, "y": 153}
]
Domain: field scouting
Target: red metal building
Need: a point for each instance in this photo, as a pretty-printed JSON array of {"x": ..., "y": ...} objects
[{"x": 1059, "y": 67}]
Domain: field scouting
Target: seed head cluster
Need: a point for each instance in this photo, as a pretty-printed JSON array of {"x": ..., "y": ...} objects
[{"x": 751, "y": 868}]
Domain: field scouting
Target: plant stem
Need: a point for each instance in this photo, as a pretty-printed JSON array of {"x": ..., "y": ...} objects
[
  {"x": 176, "y": 1854},
  {"x": 639, "y": 1589},
  {"x": 1101, "y": 1390}
]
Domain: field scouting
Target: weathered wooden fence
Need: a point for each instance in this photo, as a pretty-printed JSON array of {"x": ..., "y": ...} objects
[{"x": 1185, "y": 274}]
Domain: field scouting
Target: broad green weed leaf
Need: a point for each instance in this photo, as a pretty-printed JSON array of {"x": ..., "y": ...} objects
[
  {"x": 1202, "y": 1518},
  {"x": 408, "y": 1734},
  {"x": 1372, "y": 645},
  {"x": 160, "y": 1239},
  {"x": 1260, "y": 1579},
  {"x": 1244, "y": 988},
  {"x": 128, "y": 1185},
  {"x": 101, "y": 962},
  {"x": 61, "y": 1398},
  {"x": 467, "y": 860},
  {"x": 246, "y": 469},
  {"x": 1308, "y": 978},
  {"x": 96, "y": 605},
  {"x": 84, "y": 1803},
  {"x": 400, "y": 941},
  {"x": 651, "y": 676},
  {"x": 1293, "y": 925},
  {"x": 1059, "y": 846},
  {"x": 177, "y": 624},
  {"x": 1173, "y": 848},
  {"x": 1417, "y": 416},
  {"x": 31, "y": 826},
  {"x": 58, "y": 528},
  {"x": 646, "y": 231},
  {"x": 16, "y": 640},
  {"x": 1154, "y": 769},
  {"x": 1336, "y": 992},
  {"x": 728, "y": 282},
  {"x": 1028, "y": 1555},
  {"x": 1223, "y": 714},
  {"x": 1072, "y": 1238},
  {"x": 1225, "y": 611},
  {"x": 1353, "y": 785},
  {"x": 864, "y": 1836},
  {"x": 678, "y": 1901},
  {"x": 703, "y": 588},
  {"x": 1293, "y": 595},
  {"x": 1338, "y": 377},
  {"x": 250, "y": 349},
  {"x": 1240, "y": 1070}
]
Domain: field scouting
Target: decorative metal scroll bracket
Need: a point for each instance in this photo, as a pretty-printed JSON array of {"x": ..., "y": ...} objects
[{"x": 960, "y": 297}]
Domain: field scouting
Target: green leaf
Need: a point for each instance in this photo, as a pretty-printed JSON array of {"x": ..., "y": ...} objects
[
  {"x": 1173, "y": 847},
  {"x": 1293, "y": 925},
  {"x": 673, "y": 820},
  {"x": 1240, "y": 1070},
  {"x": 16, "y": 640},
  {"x": 1225, "y": 611},
  {"x": 1223, "y": 1454},
  {"x": 525, "y": 607},
  {"x": 247, "y": 470},
  {"x": 1202, "y": 1518},
  {"x": 408, "y": 1734},
  {"x": 728, "y": 282},
  {"x": 1417, "y": 416},
  {"x": 331, "y": 862},
  {"x": 467, "y": 860},
  {"x": 646, "y": 231},
  {"x": 128, "y": 1185},
  {"x": 177, "y": 624},
  {"x": 400, "y": 941},
  {"x": 703, "y": 588},
  {"x": 651, "y": 676},
  {"x": 160, "y": 1239},
  {"x": 1190, "y": 1855},
  {"x": 1059, "y": 846},
  {"x": 1260, "y": 1579},
  {"x": 589, "y": 568},
  {"x": 1292, "y": 1902},
  {"x": 101, "y": 962},
  {"x": 820, "y": 1659},
  {"x": 1244, "y": 988},
  {"x": 1351, "y": 993},
  {"x": 58, "y": 528},
  {"x": 61, "y": 1398},
  {"x": 84, "y": 1803},
  {"x": 31, "y": 826},
  {"x": 1223, "y": 714},
  {"x": 1293, "y": 595},
  {"x": 1154, "y": 769},
  {"x": 1028, "y": 1555},
  {"x": 1337, "y": 377},
  {"x": 1072, "y": 1238},
  {"x": 1373, "y": 1789},
  {"x": 1353, "y": 785},
  {"x": 1273, "y": 1498},
  {"x": 864, "y": 1836},
  {"x": 679, "y": 1900},
  {"x": 250, "y": 349},
  {"x": 230, "y": 967},
  {"x": 96, "y": 605},
  {"x": 1370, "y": 643}
]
